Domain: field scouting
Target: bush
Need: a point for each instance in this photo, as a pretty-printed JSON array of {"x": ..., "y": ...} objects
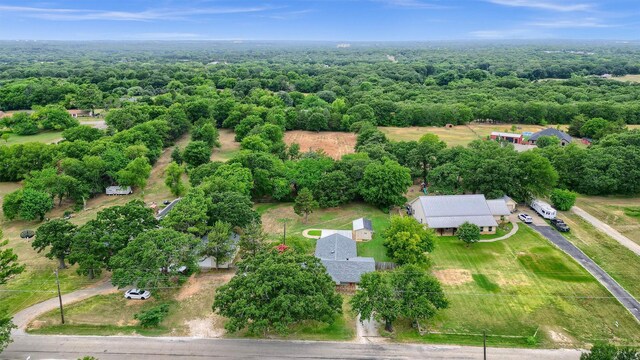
[
  {"x": 563, "y": 199},
  {"x": 469, "y": 233},
  {"x": 152, "y": 317}
]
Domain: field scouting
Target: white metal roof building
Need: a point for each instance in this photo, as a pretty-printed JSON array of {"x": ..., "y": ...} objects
[{"x": 448, "y": 212}]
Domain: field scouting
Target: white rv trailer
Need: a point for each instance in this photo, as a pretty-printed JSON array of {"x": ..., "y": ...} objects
[{"x": 543, "y": 209}]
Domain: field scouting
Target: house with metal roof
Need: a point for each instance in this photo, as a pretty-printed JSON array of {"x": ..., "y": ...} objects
[
  {"x": 508, "y": 137},
  {"x": 339, "y": 256},
  {"x": 565, "y": 138},
  {"x": 362, "y": 229},
  {"x": 445, "y": 213}
]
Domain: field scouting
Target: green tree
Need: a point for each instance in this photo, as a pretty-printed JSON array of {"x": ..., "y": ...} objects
[
  {"x": 273, "y": 290},
  {"x": 407, "y": 241},
  {"x": 57, "y": 235},
  {"x": 153, "y": 316},
  {"x": 176, "y": 155},
  {"x": 189, "y": 215},
  {"x": 425, "y": 155},
  {"x": 469, "y": 233},
  {"x": 603, "y": 351},
  {"x": 97, "y": 241},
  {"x": 54, "y": 117},
  {"x": 252, "y": 239},
  {"x": 384, "y": 184},
  {"x": 334, "y": 189},
  {"x": 6, "y": 137},
  {"x": 27, "y": 204},
  {"x": 563, "y": 200},
  {"x": 304, "y": 204},
  {"x": 89, "y": 97},
  {"x": 233, "y": 208},
  {"x": 82, "y": 133},
  {"x": 219, "y": 244},
  {"x": 154, "y": 258},
  {"x": 174, "y": 179},
  {"x": 546, "y": 141},
  {"x": 536, "y": 176},
  {"x": 407, "y": 292},
  {"x": 207, "y": 133},
  {"x": 135, "y": 174},
  {"x": 196, "y": 153}
]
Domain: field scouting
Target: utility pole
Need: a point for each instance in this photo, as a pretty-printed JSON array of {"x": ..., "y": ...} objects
[
  {"x": 284, "y": 237},
  {"x": 484, "y": 339},
  {"x": 59, "y": 297}
]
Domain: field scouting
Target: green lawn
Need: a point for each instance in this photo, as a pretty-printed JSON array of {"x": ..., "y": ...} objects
[
  {"x": 332, "y": 218},
  {"x": 619, "y": 212},
  {"x": 43, "y": 137},
  {"x": 618, "y": 261},
  {"x": 314, "y": 232},
  {"x": 513, "y": 288}
]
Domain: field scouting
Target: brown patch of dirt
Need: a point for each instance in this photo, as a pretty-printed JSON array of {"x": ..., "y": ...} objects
[
  {"x": 334, "y": 144},
  {"x": 453, "y": 276},
  {"x": 189, "y": 289},
  {"x": 228, "y": 145},
  {"x": 36, "y": 324},
  {"x": 271, "y": 219},
  {"x": 560, "y": 338},
  {"x": 209, "y": 327}
]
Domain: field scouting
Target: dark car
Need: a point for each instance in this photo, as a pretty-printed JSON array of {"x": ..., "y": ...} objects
[{"x": 560, "y": 225}]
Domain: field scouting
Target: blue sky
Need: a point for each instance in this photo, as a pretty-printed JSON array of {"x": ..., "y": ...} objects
[{"x": 339, "y": 20}]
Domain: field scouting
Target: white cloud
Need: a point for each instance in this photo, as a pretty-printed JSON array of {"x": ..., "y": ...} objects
[
  {"x": 412, "y": 4},
  {"x": 571, "y": 23},
  {"x": 562, "y": 6},
  {"x": 145, "y": 15}
]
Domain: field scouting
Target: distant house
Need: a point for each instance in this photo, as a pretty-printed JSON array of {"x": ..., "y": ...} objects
[
  {"x": 586, "y": 141},
  {"x": 508, "y": 137},
  {"x": 446, "y": 213},
  {"x": 339, "y": 256},
  {"x": 75, "y": 113},
  {"x": 362, "y": 229},
  {"x": 208, "y": 263},
  {"x": 564, "y": 137},
  {"x": 119, "y": 190}
]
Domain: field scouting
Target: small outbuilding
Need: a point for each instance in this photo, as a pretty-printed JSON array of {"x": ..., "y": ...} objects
[
  {"x": 508, "y": 137},
  {"x": 75, "y": 113},
  {"x": 119, "y": 190},
  {"x": 362, "y": 229}
]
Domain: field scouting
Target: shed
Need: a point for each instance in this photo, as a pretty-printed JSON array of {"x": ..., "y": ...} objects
[
  {"x": 508, "y": 137},
  {"x": 362, "y": 229},
  {"x": 76, "y": 113},
  {"x": 119, "y": 190},
  {"x": 499, "y": 209}
]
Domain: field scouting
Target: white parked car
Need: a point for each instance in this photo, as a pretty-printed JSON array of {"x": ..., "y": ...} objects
[
  {"x": 137, "y": 294},
  {"x": 525, "y": 218}
]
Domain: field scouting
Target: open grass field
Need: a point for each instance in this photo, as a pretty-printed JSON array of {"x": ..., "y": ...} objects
[
  {"x": 334, "y": 143},
  {"x": 621, "y": 213},
  {"x": 630, "y": 78},
  {"x": 332, "y": 218},
  {"x": 458, "y": 135},
  {"x": 46, "y": 137},
  {"x": 615, "y": 259},
  {"x": 228, "y": 146},
  {"x": 517, "y": 288}
]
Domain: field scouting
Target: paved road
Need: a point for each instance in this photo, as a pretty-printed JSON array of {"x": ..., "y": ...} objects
[
  {"x": 106, "y": 348},
  {"x": 623, "y": 240},
  {"x": 24, "y": 317},
  {"x": 614, "y": 288}
]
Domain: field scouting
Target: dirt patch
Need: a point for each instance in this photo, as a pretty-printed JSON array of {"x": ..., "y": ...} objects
[
  {"x": 453, "y": 276},
  {"x": 209, "y": 327},
  {"x": 189, "y": 289},
  {"x": 560, "y": 338},
  {"x": 335, "y": 144},
  {"x": 228, "y": 145}
]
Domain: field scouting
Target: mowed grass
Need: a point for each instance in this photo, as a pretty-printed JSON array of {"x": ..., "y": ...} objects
[
  {"x": 621, "y": 213},
  {"x": 630, "y": 78},
  {"x": 618, "y": 261},
  {"x": 460, "y": 134},
  {"x": 43, "y": 137},
  {"x": 274, "y": 216},
  {"x": 228, "y": 146},
  {"x": 521, "y": 285}
]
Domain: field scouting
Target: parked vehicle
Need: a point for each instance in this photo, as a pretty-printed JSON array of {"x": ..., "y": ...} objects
[
  {"x": 525, "y": 218},
  {"x": 560, "y": 225},
  {"x": 137, "y": 294},
  {"x": 543, "y": 209}
]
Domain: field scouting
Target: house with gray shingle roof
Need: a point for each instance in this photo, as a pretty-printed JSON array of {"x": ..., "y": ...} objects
[
  {"x": 564, "y": 137},
  {"x": 339, "y": 256},
  {"x": 446, "y": 213}
]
